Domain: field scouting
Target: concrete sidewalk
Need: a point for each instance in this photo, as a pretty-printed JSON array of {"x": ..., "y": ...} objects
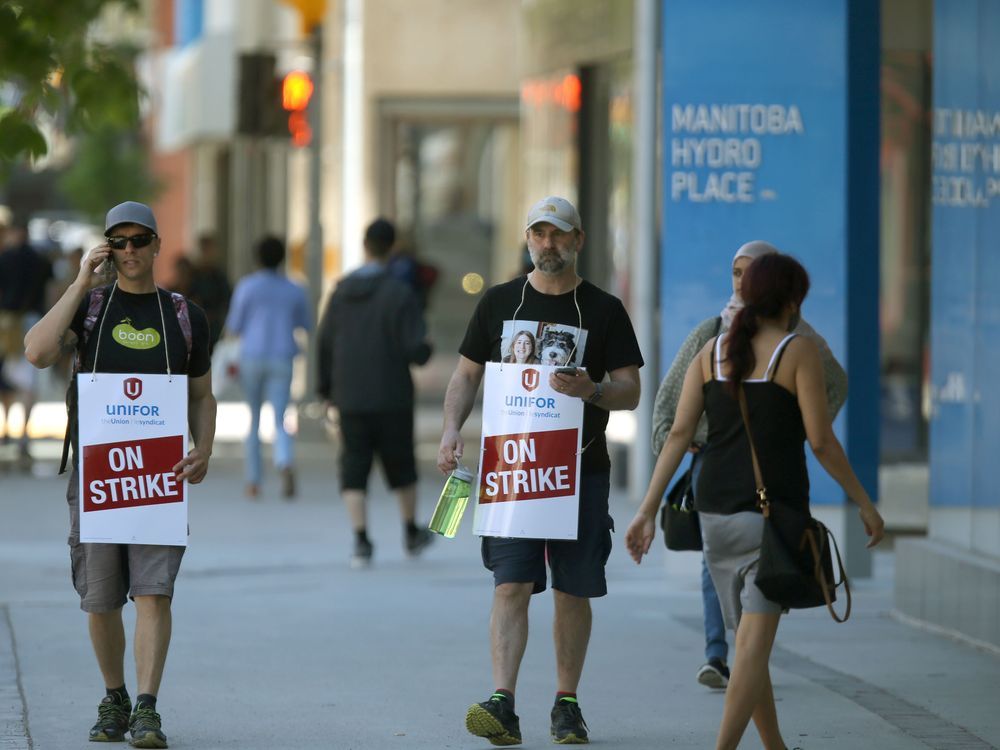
[{"x": 278, "y": 644}]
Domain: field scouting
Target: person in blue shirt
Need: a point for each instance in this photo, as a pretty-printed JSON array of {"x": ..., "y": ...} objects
[{"x": 267, "y": 308}]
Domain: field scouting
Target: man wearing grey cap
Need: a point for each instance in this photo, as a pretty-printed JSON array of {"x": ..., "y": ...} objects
[
  {"x": 587, "y": 333},
  {"x": 174, "y": 339}
]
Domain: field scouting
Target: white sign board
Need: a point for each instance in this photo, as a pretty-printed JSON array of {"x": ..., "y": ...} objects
[
  {"x": 529, "y": 468},
  {"x": 133, "y": 431}
]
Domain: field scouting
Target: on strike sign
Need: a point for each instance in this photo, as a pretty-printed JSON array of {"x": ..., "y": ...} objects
[
  {"x": 528, "y": 466},
  {"x": 529, "y": 470},
  {"x": 133, "y": 473},
  {"x": 133, "y": 431}
]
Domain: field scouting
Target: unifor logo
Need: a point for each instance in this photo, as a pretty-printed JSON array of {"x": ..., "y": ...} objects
[
  {"x": 529, "y": 379},
  {"x": 133, "y": 388}
]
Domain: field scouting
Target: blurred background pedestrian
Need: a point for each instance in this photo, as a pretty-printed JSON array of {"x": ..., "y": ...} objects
[{"x": 267, "y": 309}]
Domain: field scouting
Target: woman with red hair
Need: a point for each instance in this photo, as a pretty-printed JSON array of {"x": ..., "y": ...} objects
[{"x": 781, "y": 374}]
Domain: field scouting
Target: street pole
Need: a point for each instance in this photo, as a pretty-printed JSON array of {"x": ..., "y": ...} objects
[
  {"x": 644, "y": 247},
  {"x": 314, "y": 244}
]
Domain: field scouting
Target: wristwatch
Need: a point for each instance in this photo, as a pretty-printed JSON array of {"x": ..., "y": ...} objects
[{"x": 596, "y": 395}]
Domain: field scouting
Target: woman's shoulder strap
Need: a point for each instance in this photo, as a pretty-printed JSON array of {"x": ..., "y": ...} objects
[{"x": 779, "y": 351}]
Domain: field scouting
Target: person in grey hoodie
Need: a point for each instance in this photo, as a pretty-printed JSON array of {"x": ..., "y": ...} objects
[{"x": 372, "y": 331}]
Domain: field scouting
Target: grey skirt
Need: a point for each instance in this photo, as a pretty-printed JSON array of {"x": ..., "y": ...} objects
[{"x": 732, "y": 547}]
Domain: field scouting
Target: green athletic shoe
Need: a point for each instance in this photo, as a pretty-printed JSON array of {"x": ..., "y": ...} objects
[
  {"x": 568, "y": 726},
  {"x": 495, "y": 720},
  {"x": 144, "y": 726},
  {"x": 112, "y": 719}
]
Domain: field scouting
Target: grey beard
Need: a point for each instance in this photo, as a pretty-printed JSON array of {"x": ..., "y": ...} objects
[{"x": 551, "y": 263}]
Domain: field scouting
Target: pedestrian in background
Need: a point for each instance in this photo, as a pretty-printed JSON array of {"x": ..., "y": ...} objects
[
  {"x": 210, "y": 288},
  {"x": 714, "y": 673},
  {"x": 267, "y": 309},
  {"x": 781, "y": 374},
  {"x": 25, "y": 275},
  {"x": 372, "y": 331},
  {"x": 551, "y": 292},
  {"x": 106, "y": 575}
]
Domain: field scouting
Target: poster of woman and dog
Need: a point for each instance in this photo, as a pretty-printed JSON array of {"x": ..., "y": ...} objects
[{"x": 529, "y": 342}]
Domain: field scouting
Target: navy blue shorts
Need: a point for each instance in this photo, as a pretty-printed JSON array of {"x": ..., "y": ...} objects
[{"x": 577, "y": 566}]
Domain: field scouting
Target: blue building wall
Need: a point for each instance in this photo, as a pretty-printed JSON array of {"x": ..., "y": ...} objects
[
  {"x": 189, "y": 20},
  {"x": 771, "y": 132},
  {"x": 965, "y": 291}
]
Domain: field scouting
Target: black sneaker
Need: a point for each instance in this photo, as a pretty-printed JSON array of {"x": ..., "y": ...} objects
[
  {"x": 112, "y": 719},
  {"x": 418, "y": 541},
  {"x": 568, "y": 726},
  {"x": 362, "y": 555},
  {"x": 144, "y": 726},
  {"x": 495, "y": 720},
  {"x": 714, "y": 674}
]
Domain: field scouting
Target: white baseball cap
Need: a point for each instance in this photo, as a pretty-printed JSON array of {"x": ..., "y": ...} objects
[{"x": 556, "y": 211}]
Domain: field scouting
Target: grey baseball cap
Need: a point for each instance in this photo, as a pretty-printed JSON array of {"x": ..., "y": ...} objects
[
  {"x": 556, "y": 211},
  {"x": 130, "y": 212}
]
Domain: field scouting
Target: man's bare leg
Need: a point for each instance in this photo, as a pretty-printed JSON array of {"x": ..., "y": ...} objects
[
  {"x": 571, "y": 634},
  {"x": 153, "y": 624},
  {"x": 107, "y": 635}
]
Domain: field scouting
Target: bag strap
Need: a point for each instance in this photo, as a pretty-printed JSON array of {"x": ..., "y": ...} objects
[
  {"x": 820, "y": 574},
  {"x": 810, "y": 534},
  {"x": 762, "y": 501},
  {"x": 94, "y": 306}
]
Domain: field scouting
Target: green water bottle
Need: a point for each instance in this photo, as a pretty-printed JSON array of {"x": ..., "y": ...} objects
[{"x": 451, "y": 505}]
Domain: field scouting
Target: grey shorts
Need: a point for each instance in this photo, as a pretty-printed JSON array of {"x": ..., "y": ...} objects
[
  {"x": 732, "y": 547},
  {"x": 107, "y": 575}
]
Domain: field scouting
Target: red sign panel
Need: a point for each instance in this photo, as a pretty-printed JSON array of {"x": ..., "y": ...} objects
[
  {"x": 132, "y": 473},
  {"x": 528, "y": 466}
]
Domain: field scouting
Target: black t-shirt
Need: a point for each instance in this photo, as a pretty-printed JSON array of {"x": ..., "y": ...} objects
[
  {"x": 602, "y": 329},
  {"x": 132, "y": 339}
]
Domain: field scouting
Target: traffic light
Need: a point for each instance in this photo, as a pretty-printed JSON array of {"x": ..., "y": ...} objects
[
  {"x": 296, "y": 90},
  {"x": 260, "y": 112}
]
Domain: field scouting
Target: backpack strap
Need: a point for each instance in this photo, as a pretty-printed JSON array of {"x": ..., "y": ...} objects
[
  {"x": 97, "y": 297},
  {"x": 184, "y": 320}
]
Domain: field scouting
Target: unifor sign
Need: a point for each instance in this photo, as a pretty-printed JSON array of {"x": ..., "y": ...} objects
[
  {"x": 529, "y": 467},
  {"x": 133, "y": 432}
]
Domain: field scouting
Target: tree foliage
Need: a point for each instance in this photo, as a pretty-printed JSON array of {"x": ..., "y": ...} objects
[
  {"x": 110, "y": 167},
  {"x": 50, "y": 63}
]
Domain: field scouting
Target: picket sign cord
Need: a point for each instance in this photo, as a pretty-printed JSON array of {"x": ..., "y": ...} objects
[
  {"x": 572, "y": 353},
  {"x": 579, "y": 320},
  {"x": 100, "y": 330},
  {"x": 163, "y": 327}
]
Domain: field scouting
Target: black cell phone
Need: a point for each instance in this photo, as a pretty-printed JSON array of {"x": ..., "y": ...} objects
[{"x": 568, "y": 371}]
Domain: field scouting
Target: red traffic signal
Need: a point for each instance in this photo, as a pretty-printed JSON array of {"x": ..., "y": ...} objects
[{"x": 296, "y": 90}]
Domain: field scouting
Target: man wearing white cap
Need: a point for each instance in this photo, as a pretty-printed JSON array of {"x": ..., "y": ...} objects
[
  {"x": 172, "y": 337},
  {"x": 580, "y": 326}
]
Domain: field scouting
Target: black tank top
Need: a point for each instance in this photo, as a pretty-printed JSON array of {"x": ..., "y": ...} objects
[{"x": 726, "y": 483}]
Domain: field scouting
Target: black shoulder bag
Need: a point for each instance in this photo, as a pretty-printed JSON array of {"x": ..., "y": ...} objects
[
  {"x": 679, "y": 519},
  {"x": 795, "y": 568}
]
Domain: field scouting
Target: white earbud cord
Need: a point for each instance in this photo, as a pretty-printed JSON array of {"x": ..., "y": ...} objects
[
  {"x": 579, "y": 329},
  {"x": 579, "y": 319}
]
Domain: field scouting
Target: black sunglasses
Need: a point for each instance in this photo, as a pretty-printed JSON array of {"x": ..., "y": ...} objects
[{"x": 138, "y": 241}]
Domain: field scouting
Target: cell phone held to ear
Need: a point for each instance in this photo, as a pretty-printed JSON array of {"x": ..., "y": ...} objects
[{"x": 107, "y": 271}]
